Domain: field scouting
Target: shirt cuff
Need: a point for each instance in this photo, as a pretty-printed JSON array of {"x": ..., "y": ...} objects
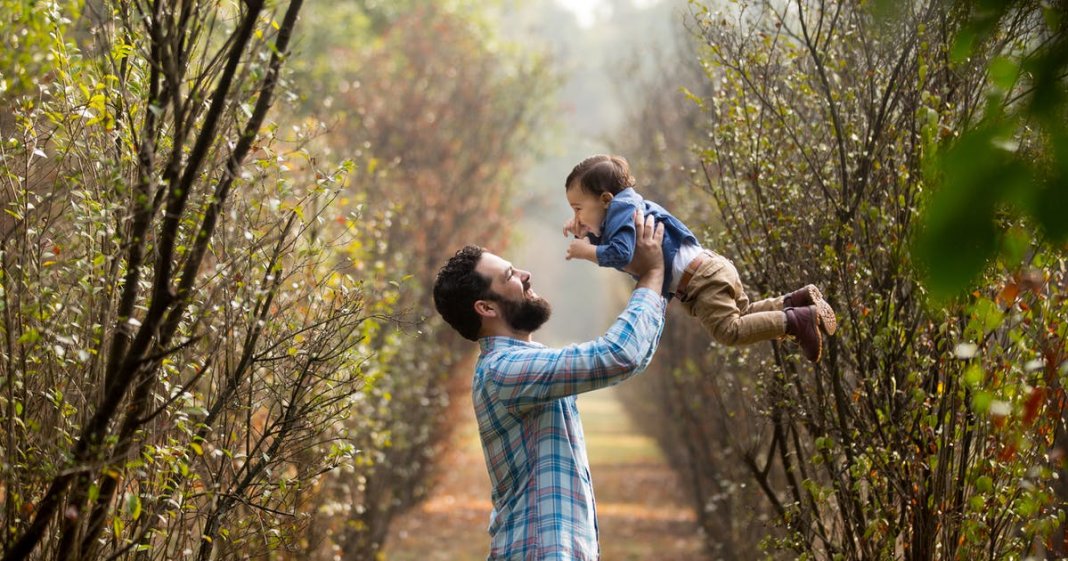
[{"x": 650, "y": 297}]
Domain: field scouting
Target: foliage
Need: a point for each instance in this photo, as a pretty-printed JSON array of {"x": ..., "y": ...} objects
[
  {"x": 176, "y": 345},
  {"x": 213, "y": 312},
  {"x": 924, "y": 433},
  {"x": 441, "y": 118},
  {"x": 1008, "y": 153},
  {"x": 709, "y": 431}
]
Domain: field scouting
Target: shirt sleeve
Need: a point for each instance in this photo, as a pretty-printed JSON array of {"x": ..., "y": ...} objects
[
  {"x": 531, "y": 377},
  {"x": 616, "y": 247}
]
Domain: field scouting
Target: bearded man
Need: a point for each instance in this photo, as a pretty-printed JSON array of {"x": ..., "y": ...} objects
[{"x": 524, "y": 394}]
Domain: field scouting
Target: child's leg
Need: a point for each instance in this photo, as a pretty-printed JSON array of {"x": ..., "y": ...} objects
[
  {"x": 716, "y": 297},
  {"x": 765, "y": 305}
]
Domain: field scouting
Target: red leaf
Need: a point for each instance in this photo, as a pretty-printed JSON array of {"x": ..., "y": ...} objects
[
  {"x": 1008, "y": 294},
  {"x": 1033, "y": 404}
]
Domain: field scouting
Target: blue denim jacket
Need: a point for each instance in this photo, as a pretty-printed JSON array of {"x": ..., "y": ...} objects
[{"x": 615, "y": 245}]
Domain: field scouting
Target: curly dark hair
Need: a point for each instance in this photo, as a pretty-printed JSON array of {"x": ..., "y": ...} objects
[
  {"x": 456, "y": 289},
  {"x": 601, "y": 173}
]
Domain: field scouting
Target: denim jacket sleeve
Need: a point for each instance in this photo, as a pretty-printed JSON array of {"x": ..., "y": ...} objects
[{"x": 616, "y": 247}]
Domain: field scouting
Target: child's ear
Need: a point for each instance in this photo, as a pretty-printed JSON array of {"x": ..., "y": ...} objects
[{"x": 606, "y": 198}]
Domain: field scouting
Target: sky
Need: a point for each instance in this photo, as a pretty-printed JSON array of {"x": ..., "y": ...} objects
[
  {"x": 585, "y": 10},
  {"x": 588, "y": 11},
  {"x": 585, "y": 297}
]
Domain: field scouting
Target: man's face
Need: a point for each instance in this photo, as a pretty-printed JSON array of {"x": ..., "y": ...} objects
[{"x": 521, "y": 308}]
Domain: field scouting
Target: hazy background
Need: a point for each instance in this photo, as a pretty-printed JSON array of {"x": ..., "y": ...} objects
[{"x": 595, "y": 44}]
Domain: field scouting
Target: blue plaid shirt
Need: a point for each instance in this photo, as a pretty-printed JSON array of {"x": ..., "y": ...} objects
[{"x": 524, "y": 397}]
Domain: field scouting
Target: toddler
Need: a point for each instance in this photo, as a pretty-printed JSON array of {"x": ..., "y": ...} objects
[{"x": 600, "y": 190}]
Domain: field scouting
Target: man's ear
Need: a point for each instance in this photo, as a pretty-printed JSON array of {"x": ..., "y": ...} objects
[
  {"x": 485, "y": 308},
  {"x": 606, "y": 198}
]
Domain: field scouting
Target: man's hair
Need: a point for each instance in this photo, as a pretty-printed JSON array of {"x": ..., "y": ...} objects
[
  {"x": 601, "y": 174},
  {"x": 456, "y": 289}
]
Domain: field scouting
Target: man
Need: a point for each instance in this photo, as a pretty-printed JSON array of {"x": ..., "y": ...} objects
[{"x": 524, "y": 394}]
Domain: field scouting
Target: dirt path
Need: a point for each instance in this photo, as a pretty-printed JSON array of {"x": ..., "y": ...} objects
[{"x": 643, "y": 514}]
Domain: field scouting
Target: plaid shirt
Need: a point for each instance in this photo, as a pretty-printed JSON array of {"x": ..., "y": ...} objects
[{"x": 524, "y": 397}]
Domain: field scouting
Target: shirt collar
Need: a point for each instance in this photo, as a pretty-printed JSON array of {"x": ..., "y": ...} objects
[
  {"x": 490, "y": 344},
  {"x": 627, "y": 194}
]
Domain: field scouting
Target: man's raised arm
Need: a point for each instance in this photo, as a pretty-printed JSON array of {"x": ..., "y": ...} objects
[
  {"x": 648, "y": 262},
  {"x": 526, "y": 378}
]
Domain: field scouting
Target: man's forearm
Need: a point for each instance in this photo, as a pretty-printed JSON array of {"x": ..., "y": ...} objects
[
  {"x": 652, "y": 279},
  {"x": 530, "y": 376}
]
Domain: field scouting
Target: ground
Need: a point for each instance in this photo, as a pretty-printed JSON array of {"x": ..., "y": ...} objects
[{"x": 643, "y": 513}]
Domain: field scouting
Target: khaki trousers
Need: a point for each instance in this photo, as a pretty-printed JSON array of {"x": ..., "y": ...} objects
[{"x": 715, "y": 296}]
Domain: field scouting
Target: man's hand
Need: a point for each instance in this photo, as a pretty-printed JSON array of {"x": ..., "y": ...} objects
[{"x": 648, "y": 261}]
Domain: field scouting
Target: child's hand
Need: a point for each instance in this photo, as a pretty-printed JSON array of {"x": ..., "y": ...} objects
[
  {"x": 569, "y": 226},
  {"x": 575, "y": 228},
  {"x": 581, "y": 248}
]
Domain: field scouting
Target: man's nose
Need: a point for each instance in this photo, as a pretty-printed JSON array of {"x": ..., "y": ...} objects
[{"x": 524, "y": 276}]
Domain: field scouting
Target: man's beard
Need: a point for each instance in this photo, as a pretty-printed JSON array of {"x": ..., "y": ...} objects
[{"x": 525, "y": 315}]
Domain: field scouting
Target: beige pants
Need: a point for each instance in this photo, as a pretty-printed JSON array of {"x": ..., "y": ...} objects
[{"x": 715, "y": 296}]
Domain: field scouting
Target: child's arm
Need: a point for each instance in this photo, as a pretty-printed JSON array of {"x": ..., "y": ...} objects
[
  {"x": 617, "y": 240},
  {"x": 581, "y": 248}
]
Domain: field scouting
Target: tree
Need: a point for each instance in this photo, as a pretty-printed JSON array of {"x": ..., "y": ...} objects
[
  {"x": 925, "y": 432},
  {"x": 175, "y": 345}
]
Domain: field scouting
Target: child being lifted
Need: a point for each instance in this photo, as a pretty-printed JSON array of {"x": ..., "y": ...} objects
[{"x": 601, "y": 192}]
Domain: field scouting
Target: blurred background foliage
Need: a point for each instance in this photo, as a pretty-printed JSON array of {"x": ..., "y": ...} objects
[
  {"x": 307, "y": 394},
  {"x": 1003, "y": 176}
]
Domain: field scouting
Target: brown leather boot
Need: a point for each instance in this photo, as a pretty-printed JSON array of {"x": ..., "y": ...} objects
[
  {"x": 811, "y": 296},
  {"x": 804, "y": 325}
]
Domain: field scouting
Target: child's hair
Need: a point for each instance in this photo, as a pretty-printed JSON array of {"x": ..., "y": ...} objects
[{"x": 601, "y": 174}]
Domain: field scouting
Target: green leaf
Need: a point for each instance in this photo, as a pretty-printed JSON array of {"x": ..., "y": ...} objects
[
  {"x": 29, "y": 337},
  {"x": 962, "y": 46},
  {"x": 1014, "y": 245},
  {"x": 973, "y": 376},
  {"x": 1051, "y": 197},
  {"x": 133, "y": 506},
  {"x": 981, "y": 401},
  {"x": 987, "y": 316},
  {"x": 1003, "y": 72},
  {"x": 958, "y": 235}
]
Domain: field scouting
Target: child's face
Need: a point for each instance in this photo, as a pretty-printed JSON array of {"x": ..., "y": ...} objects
[{"x": 589, "y": 209}]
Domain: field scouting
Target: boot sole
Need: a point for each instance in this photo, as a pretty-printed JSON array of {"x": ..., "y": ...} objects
[
  {"x": 819, "y": 346},
  {"x": 826, "y": 314},
  {"x": 828, "y": 321}
]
